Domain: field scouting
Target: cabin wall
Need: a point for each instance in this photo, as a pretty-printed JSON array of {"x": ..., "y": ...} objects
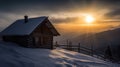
[
  {"x": 43, "y": 37},
  {"x": 25, "y": 41},
  {"x": 0, "y": 38}
]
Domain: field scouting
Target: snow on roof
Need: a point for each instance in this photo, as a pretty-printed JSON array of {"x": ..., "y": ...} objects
[{"x": 19, "y": 27}]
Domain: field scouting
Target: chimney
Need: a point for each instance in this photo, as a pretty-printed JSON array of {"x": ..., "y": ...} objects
[{"x": 26, "y": 18}]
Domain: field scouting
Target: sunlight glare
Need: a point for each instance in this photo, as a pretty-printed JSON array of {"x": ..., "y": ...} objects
[{"x": 89, "y": 19}]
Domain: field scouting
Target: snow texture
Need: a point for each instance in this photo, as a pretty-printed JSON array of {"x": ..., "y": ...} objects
[
  {"x": 12, "y": 55},
  {"x": 19, "y": 27}
]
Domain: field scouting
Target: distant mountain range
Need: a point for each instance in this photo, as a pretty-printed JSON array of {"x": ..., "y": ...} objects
[{"x": 100, "y": 41}]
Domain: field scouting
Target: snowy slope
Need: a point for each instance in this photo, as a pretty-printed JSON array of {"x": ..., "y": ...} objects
[{"x": 12, "y": 55}]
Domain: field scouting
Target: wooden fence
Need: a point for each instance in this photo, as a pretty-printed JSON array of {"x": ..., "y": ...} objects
[{"x": 81, "y": 49}]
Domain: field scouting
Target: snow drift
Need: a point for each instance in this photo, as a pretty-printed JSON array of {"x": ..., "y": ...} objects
[{"x": 12, "y": 55}]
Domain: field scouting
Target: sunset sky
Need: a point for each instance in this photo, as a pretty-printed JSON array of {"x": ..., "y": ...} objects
[{"x": 67, "y": 15}]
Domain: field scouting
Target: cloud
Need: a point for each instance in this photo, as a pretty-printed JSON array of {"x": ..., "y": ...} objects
[
  {"x": 10, "y": 10},
  {"x": 51, "y": 5},
  {"x": 31, "y": 5},
  {"x": 64, "y": 20},
  {"x": 115, "y": 14}
]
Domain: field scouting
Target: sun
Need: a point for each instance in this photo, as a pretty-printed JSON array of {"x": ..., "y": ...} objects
[{"x": 89, "y": 19}]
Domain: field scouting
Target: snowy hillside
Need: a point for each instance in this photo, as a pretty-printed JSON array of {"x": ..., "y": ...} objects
[{"x": 12, "y": 55}]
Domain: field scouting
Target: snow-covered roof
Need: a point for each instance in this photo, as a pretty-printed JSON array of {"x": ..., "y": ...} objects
[{"x": 19, "y": 27}]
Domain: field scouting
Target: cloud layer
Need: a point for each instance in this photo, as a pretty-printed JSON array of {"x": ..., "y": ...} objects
[{"x": 10, "y": 10}]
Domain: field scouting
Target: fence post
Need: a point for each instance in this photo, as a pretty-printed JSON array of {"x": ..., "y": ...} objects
[
  {"x": 70, "y": 45},
  {"x": 67, "y": 45},
  {"x": 67, "y": 42},
  {"x": 79, "y": 47},
  {"x": 92, "y": 50},
  {"x": 56, "y": 44}
]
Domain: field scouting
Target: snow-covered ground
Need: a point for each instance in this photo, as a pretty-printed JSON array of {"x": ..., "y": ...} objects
[{"x": 12, "y": 55}]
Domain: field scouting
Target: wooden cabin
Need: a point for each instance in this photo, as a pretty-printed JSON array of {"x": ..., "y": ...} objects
[{"x": 31, "y": 32}]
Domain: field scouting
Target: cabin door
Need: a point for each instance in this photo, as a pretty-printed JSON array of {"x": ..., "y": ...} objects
[
  {"x": 47, "y": 41},
  {"x": 43, "y": 41},
  {"x": 38, "y": 41}
]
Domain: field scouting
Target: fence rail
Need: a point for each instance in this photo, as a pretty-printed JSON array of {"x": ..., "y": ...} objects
[{"x": 82, "y": 49}]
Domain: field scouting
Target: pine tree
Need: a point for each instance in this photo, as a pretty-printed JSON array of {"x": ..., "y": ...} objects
[{"x": 108, "y": 53}]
